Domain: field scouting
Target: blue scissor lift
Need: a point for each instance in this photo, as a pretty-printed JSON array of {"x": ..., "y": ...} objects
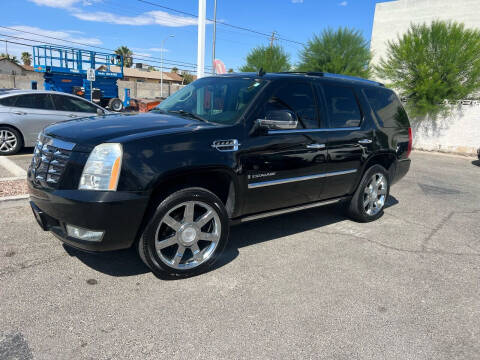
[{"x": 65, "y": 69}]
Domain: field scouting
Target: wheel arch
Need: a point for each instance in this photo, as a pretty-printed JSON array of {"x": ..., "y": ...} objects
[{"x": 385, "y": 159}]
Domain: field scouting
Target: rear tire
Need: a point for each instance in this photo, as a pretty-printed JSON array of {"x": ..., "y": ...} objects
[
  {"x": 115, "y": 104},
  {"x": 186, "y": 234},
  {"x": 11, "y": 141},
  {"x": 369, "y": 199}
]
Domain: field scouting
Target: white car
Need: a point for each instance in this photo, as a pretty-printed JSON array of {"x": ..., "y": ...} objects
[{"x": 24, "y": 113}]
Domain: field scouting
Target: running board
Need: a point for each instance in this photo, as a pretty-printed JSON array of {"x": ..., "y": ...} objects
[{"x": 288, "y": 210}]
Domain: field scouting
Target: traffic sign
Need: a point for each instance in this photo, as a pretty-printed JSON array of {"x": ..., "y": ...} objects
[{"x": 91, "y": 74}]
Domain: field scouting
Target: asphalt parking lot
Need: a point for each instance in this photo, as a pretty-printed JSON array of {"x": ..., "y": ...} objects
[{"x": 307, "y": 285}]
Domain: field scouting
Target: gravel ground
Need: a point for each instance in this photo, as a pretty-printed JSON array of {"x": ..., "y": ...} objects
[{"x": 13, "y": 187}]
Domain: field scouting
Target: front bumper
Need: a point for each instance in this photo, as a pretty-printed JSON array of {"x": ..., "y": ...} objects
[{"x": 118, "y": 214}]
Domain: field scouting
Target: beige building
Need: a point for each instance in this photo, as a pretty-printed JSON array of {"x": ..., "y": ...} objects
[
  {"x": 148, "y": 76},
  {"x": 394, "y": 18}
]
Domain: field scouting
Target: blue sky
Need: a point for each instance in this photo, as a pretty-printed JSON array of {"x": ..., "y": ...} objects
[{"x": 142, "y": 26}]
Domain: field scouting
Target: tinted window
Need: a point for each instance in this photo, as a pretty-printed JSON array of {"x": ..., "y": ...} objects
[
  {"x": 34, "y": 101},
  {"x": 388, "y": 109},
  {"x": 216, "y": 99},
  {"x": 297, "y": 97},
  {"x": 69, "y": 103},
  {"x": 8, "y": 101},
  {"x": 342, "y": 106}
]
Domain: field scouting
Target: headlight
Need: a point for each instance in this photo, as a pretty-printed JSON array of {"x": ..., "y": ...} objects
[{"x": 102, "y": 170}]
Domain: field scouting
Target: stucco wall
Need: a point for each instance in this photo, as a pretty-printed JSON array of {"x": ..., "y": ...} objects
[
  {"x": 457, "y": 133},
  {"x": 20, "y": 82}
]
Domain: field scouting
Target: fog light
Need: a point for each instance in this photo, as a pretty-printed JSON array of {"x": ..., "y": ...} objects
[{"x": 84, "y": 234}]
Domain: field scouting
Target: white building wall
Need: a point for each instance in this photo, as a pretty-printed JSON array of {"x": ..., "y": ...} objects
[
  {"x": 394, "y": 18},
  {"x": 460, "y": 132}
]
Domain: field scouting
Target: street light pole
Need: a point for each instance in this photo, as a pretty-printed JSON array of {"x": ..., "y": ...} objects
[
  {"x": 202, "y": 12},
  {"x": 214, "y": 35},
  {"x": 162, "y": 49}
]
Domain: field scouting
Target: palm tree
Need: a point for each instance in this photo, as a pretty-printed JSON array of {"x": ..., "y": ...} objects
[
  {"x": 174, "y": 70},
  {"x": 9, "y": 57},
  {"x": 127, "y": 55},
  {"x": 26, "y": 58}
]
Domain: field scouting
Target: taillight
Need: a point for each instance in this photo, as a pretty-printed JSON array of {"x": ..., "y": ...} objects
[{"x": 410, "y": 141}]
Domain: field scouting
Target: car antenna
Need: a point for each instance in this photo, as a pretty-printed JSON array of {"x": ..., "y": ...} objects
[{"x": 261, "y": 72}]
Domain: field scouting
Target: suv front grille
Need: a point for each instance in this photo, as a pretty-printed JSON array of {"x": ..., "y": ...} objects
[{"x": 50, "y": 158}]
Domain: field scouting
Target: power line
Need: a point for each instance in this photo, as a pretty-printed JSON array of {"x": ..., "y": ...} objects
[
  {"x": 219, "y": 22},
  {"x": 182, "y": 63},
  {"x": 29, "y": 45}
]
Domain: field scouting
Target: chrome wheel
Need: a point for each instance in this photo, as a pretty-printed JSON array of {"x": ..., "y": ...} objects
[
  {"x": 188, "y": 235},
  {"x": 375, "y": 194},
  {"x": 8, "y": 141}
]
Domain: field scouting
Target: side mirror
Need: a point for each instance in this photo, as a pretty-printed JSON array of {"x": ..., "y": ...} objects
[
  {"x": 100, "y": 112},
  {"x": 279, "y": 120}
]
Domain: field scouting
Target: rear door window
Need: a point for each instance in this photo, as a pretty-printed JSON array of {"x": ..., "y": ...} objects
[
  {"x": 342, "y": 106},
  {"x": 69, "y": 103},
  {"x": 35, "y": 101},
  {"x": 8, "y": 101},
  {"x": 387, "y": 107}
]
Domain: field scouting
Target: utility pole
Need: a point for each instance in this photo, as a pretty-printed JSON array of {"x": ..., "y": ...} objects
[
  {"x": 162, "y": 50},
  {"x": 272, "y": 39},
  {"x": 214, "y": 35},
  {"x": 202, "y": 12}
]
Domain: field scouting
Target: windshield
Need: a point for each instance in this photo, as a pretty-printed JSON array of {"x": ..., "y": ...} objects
[{"x": 220, "y": 100}]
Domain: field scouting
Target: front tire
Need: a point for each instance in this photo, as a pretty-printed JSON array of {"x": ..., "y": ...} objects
[
  {"x": 115, "y": 104},
  {"x": 369, "y": 199},
  {"x": 10, "y": 141},
  {"x": 186, "y": 234}
]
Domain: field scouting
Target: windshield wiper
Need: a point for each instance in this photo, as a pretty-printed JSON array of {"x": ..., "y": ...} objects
[{"x": 189, "y": 114}]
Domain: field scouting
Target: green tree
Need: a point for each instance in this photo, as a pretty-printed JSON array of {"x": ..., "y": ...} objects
[
  {"x": 230, "y": 70},
  {"x": 270, "y": 59},
  {"x": 9, "y": 57},
  {"x": 433, "y": 63},
  {"x": 187, "y": 77},
  {"x": 174, "y": 70},
  {"x": 127, "y": 55},
  {"x": 342, "y": 51},
  {"x": 26, "y": 58}
]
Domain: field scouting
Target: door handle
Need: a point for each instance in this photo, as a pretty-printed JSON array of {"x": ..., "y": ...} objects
[
  {"x": 72, "y": 115},
  {"x": 316, "y": 146},
  {"x": 365, "y": 141},
  {"x": 20, "y": 113}
]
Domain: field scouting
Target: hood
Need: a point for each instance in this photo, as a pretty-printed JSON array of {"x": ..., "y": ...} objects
[{"x": 95, "y": 130}]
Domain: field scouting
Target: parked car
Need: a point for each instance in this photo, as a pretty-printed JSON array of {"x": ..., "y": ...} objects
[
  {"x": 223, "y": 150},
  {"x": 478, "y": 153},
  {"x": 24, "y": 113}
]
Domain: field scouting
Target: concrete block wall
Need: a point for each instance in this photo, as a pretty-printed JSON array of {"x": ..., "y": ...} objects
[
  {"x": 20, "y": 81},
  {"x": 458, "y": 133},
  {"x": 145, "y": 90}
]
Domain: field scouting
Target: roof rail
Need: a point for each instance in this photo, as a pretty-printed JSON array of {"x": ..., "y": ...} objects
[{"x": 331, "y": 75}]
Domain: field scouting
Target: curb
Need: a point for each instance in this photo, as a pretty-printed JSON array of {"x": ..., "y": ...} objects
[
  {"x": 15, "y": 178},
  {"x": 13, "y": 168},
  {"x": 12, "y": 201}
]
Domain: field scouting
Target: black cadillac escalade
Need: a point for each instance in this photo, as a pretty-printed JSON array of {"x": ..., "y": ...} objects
[{"x": 222, "y": 150}]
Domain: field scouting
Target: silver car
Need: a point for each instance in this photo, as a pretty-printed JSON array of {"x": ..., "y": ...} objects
[{"x": 24, "y": 113}]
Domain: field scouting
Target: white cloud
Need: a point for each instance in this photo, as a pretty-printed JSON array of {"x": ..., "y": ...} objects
[
  {"x": 343, "y": 3},
  {"x": 297, "y": 1},
  {"x": 156, "y": 17},
  {"x": 64, "y": 4},
  {"x": 36, "y": 35},
  {"x": 158, "y": 49}
]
